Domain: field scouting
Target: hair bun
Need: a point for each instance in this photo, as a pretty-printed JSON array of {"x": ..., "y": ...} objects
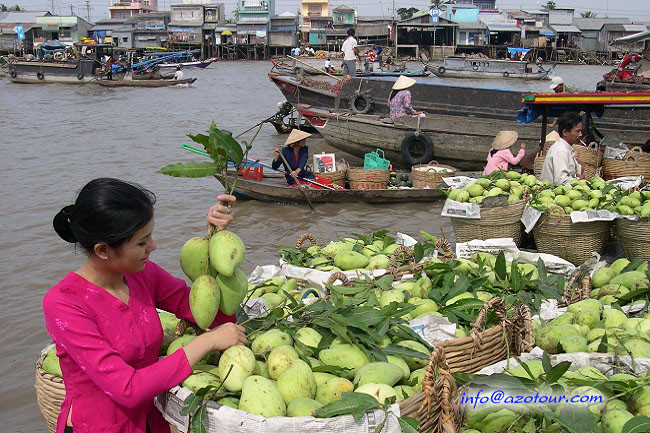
[{"x": 61, "y": 224}]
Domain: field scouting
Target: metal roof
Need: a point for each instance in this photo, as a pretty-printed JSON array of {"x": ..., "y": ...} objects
[
  {"x": 21, "y": 17},
  {"x": 565, "y": 29},
  {"x": 597, "y": 23},
  {"x": 478, "y": 25}
]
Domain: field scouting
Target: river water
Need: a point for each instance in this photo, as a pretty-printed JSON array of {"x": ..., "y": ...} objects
[{"x": 55, "y": 138}]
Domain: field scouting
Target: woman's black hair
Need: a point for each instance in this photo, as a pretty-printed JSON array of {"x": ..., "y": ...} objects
[{"x": 106, "y": 210}]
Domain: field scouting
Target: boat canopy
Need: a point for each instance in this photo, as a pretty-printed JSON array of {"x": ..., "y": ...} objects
[{"x": 637, "y": 37}]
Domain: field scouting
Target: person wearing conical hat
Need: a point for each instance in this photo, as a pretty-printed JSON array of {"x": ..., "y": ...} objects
[
  {"x": 297, "y": 154},
  {"x": 399, "y": 100},
  {"x": 500, "y": 157}
]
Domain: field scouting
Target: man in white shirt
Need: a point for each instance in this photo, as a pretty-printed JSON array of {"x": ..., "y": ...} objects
[
  {"x": 178, "y": 75},
  {"x": 560, "y": 164},
  {"x": 350, "y": 54}
]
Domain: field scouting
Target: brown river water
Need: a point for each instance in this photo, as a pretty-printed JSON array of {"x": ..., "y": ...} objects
[{"x": 55, "y": 138}]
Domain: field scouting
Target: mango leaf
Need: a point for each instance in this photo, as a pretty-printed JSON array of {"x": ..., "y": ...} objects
[
  {"x": 577, "y": 419},
  {"x": 391, "y": 349},
  {"x": 418, "y": 252},
  {"x": 379, "y": 355},
  {"x": 602, "y": 347},
  {"x": 500, "y": 266},
  {"x": 385, "y": 282},
  {"x": 408, "y": 424},
  {"x": 197, "y": 420},
  {"x": 332, "y": 369},
  {"x": 546, "y": 363},
  {"x": 638, "y": 424},
  {"x": 190, "y": 169},
  {"x": 351, "y": 403},
  {"x": 557, "y": 372}
]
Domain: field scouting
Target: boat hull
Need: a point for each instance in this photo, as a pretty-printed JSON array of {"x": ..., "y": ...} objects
[
  {"x": 490, "y": 75},
  {"x": 32, "y": 72},
  {"x": 145, "y": 83},
  {"x": 277, "y": 193}
]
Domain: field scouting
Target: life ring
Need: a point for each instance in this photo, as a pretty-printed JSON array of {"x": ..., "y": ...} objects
[
  {"x": 372, "y": 56},
  {"x": 475, "y": 67},
  {"x": 13, "y": 74},
  {"x": 40, "y": 75},
  {"x": 506, "y": 74},
  {"x": 362, "y": 103},
  {"x": 80, "y": 76},
  {"x": 442, "y": 70},
  {"x": 423, "y": 140}
]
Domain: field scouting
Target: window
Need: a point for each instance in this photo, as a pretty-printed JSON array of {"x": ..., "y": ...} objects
[{"x": 315, "y": 9}]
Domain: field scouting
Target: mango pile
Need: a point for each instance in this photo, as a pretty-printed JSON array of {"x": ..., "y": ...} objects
[
  {"x": 635, "y": 203},
  {"x": 511, "y": 184},
  {"x": 578, "y": 195},
  {"x": 610, "y": 283},
  {"x": 618, "y": 399},
  {"x": 218, "y": 282}
]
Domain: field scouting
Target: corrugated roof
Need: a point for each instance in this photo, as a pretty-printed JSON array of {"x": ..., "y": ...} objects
[
  {"x": 343, "y": 8},
  {"x": 374, "y": 18},
  {"x": 479, "y": 25},
  {"x": 21, "y": 17},
  {"x": 635, "y": 28},
  {"x": 565, "y": 29},
  {"x": 502, "y": 28},
  {"x": 597, "y": 23}
]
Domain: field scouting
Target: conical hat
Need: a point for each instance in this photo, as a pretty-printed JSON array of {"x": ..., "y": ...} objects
[
  {"x": 403, "y": 82},
  {"x": 504, "y": 140},
  {"x": 553, "y": 136},
  {"x": 295, "y": 136}
]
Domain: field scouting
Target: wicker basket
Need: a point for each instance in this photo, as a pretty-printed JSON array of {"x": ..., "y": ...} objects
[
  {"x": 368, "y": 179},
  {"x": 50, "y": 393},
  {"x": 635, "y": 238},
  {"x": 410, "y": 267},
  {"x": 437, "y": 407},
  {"x": 425, "y": 176},
  {"x": 589, "y": 158},
  {"x": 337, "y": 177},
  {"x": 496, "y": 222},
  {"x": 538, "y": 165},
  {"x": 577, "y": 289},
  {"x": 635, "y": 163},
  {"x": 484, "y": 347},
  {"x": 557, "y": 235}
]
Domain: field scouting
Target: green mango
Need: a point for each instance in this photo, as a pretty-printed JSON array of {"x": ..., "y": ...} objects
[
  {"x": 331, "y": 390},
  {"x": 475, "y": 190},
  {"x": 416, "y": 378},
  {"x": 269, "y": 340},
  {"x": 194, "y": 258},
  {"x": 280, "y": 359},
  {"x": 233, "y": 291},
  {"x": 619, "y": 265},
  {"x": 205, "y": 298},
  {"x": 179, "y": 342},
  {"x": 321, "y": 378},
  {"x": 415, "y": 363},
  {"x": 404, "y": 391},
  {"x": 586, "y": 304},
  {"x": 333, "y": 248},
  {"x": 378, "y": 372},
  {"x": 260, "y": 396},
  {"x": 396, "y": 360},
  {"x": 232, "y": 402},
  {"x": 499, "y": 421},
  {"x": 628, "y": 279},
  {"x": 391, "y": 296},
  {"x": 380, "y": 391},
  {"x": 614, "y": 420},
  {"x": 613, "y": 318},
  {"x": 226, "y": 252},
  {"x": 243, "y": 363},
  {"x": 639, "y": 398},
  {"x": 261, "y": 370},
  {"x": 349, "y": 260},
  {"x": 602, "y": 276},
  {"x": 196, "y": 381},
  {"x": 379, "y": 261},
  {"x": 51, "y": 365},
  {"x": 346, "y": 356},
  {"x": 297, "y": 382},
  {"x": 589, "y": 318},
  {"x": 306, "y": 341},
  {"x": 302, "y": 407},
  {"x": 272, "y": 300}
]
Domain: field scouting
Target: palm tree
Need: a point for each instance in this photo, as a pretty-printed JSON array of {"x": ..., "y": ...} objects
[
  {"x": 588, "y": 14},
  {"x": 550, "y": 5}
]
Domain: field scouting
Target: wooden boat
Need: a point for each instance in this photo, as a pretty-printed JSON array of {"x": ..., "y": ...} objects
[
  {"x": 451, "y": 137},
  {"x": 52, "y": 72},
  {"x": 460, "y": 67},
  {"x": 202, "y": 64},
  {"x": 276, "y": 190},
  {"x": 361, "y": 73},
  {"x": 145, "y": 83}
]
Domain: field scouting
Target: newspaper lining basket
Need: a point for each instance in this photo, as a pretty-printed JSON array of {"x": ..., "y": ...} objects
[
  {"x": 484, "y": 347},
  {"x": 634, "y": 163},
  {"x": 495, "y": 222},
  {"x": 437, "y": 407},
  {"x": 589, "y": 158},
  {"x": 368, "y": 179},
  {"x": 557, "y": 235},
  {"x": 50, "y": 393},
  {"x": 635, "y": 238},
  {"x": 424, "y": 176}
]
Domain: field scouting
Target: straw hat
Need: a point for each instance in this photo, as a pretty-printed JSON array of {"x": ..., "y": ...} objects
[
  {"x": 504, "y": 140},
  {"x": 403, "y": 82},
  {"x": 295, "y": 136},
  {"x": 556, "y": 81},
  {"x": 552, "y": 137}
]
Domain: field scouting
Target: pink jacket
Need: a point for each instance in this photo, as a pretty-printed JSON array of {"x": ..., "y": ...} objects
[
  {"x": 109, "y": 351},
  {"x": 501, "y": 159}
]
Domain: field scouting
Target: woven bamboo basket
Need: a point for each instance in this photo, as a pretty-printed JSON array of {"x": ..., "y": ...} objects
[
  {"x": 538, "y": 164},
  {"x": 496, "y": 222},
  {"x": 635, "y": 163},
  {"x": 557, "y": 235},
  {"x": 337, "y": 177},
  {"x": 437, "y": 407},
  {"x": 589, "y": 158},
  {"x": 635, "y": 238},
  {"x": 483, "y": 347},
  {"x": 577, "y": 289},
  {"x": 50, "y": 393},
  {"x": 368, "y": 179},
  {"x": 425, "y": 176},
  {"x": 398, "y": 270}
]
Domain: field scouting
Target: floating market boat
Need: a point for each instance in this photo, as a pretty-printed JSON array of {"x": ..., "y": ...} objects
[
  {"x": 460, "y": 67},
  {"x": 633, "y": 73},
  {"x": 275, "y": 189},
  {"x": 146, "y": 83},
  {"x": 202, "y": 64}
]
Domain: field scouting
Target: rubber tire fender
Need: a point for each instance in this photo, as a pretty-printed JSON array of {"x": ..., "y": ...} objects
[
  {"x": 80, "y": 76},
  {"x": 475, "y": 67},
  {"x": 506, "y": 74},
  {"x": 409, "y": 139},
  {"x": 13, "y": 74},
  {"x": 367, "y": 100},
  {"x": 40, "y": 75},
  {"x": 442, "y": 70}
]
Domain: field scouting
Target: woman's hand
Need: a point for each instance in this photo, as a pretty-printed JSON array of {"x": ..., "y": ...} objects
[
  {"x": 277, "y": 153},
  {"x": 226, "y": 335},
  {"x": 220, "y": 215},
  {"x": 523, "y": 146}
]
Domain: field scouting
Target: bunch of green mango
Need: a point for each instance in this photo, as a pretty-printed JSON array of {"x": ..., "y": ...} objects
[
  {"x": 275, "y": 377},
  {"x": 636, "y": 203},
  {"x": 213, "y": 265},
  {"x": 612, "y": 282},
  {"x": 578, "y": 195},
  {"x": 509, "y": 183},
  {"x": 51, "y": 363},
  {"x": 275, "y": 290},
  {"x": 618, "y": 400}
]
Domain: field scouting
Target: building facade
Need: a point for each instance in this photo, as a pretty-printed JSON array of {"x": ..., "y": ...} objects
[
  {"x": 283, "y": 31},
  {"x": 9, "y": 41},
  {"x": 127, "y": 9},
  {"x": 65, "y": 29},
  {"x": 313, "y": 9},
  {"x": 185, "y": 28},
  {"x": 253, "y": 20}
]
